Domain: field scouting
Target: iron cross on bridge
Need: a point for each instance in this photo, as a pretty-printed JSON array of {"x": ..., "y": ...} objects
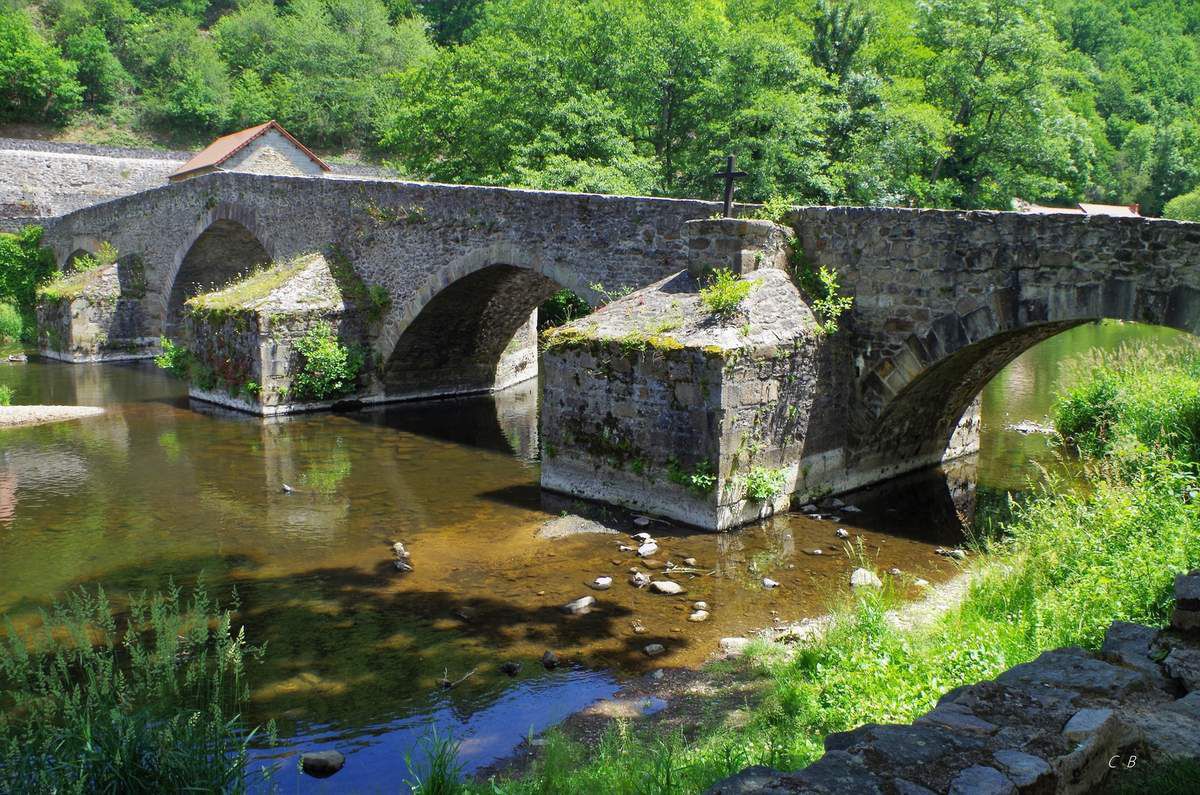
[{"x": 729, "y": 175}]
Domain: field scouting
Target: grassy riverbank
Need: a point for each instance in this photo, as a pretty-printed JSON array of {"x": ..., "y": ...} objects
[{"x": 1059, "y": 569}]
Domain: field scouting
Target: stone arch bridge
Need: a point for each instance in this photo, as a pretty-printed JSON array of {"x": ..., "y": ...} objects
[{"x": 942, "y": 299}]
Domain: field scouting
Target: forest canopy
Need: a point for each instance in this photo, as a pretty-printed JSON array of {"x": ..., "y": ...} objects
[{"x": 950, "y": 103}]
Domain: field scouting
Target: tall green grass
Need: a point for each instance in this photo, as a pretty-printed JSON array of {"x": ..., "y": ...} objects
[
  {"x": 98, "y": 700},
  {"x": 11, "y": 325}
]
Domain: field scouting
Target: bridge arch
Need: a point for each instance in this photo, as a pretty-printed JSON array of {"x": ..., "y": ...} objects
[
  {"x": 227, "y": 242},
  {"x": 915, "y": 399},
  {"x": 453, "y": 334}
]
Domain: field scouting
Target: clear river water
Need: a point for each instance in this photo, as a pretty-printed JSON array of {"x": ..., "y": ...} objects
[{"x": 160, "y": 486}]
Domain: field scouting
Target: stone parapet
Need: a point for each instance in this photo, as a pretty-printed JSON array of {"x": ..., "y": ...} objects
[{"x": 741, "y": 245}]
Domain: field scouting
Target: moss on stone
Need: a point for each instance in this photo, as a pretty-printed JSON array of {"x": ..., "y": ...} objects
[
  {"x": 253, "y": 287},
  {"x": 69, "y": 286}
]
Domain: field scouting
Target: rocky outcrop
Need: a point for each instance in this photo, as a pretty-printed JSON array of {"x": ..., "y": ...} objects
[{"x": 1053, "y": 725}]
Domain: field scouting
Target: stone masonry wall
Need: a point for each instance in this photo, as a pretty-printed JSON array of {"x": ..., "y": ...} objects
[
  {"x": 271, "y": 153},
  {"x": 943, "y": 300},
  {"x": 1068, "y": 722}
]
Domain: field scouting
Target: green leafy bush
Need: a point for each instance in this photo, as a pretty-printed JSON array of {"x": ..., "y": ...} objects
[
  {"x": 562, "y": 307},
  {"x": 328, "y": 369},
  {"x": 702, "y": 479},
  {"x": 148, "y": 699},
  {"x": 1185, "y": 207},
  {"x": 820, "y": 286},
  {"x": 175, "y": 359},
  {"x": 724, "y": 293},
  {"x": 25, "y": 265},
  {"x": 6, "y": 395},
  {"x": 764, "y": 483}
]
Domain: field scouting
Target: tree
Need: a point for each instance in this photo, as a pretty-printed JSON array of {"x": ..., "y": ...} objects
[
  {"x": 994, "y": 74},
  {"x": 102, "y": 75},
  {"x": 1185, "y": 207},
  {"x": 36, "y": 84},
  {"x": 184, "y": 80}
]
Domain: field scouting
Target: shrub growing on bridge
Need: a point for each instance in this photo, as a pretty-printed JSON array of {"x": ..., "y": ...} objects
[
  {"x": 329, "y": 369},
  {"x": 724, "y": 293}
]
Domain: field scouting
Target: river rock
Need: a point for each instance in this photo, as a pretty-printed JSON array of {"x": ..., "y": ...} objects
[
  {"x": 956, "y": 554},
  {"x": 511, "y": 668},
  {"x": 647, "y": 549},
  {"x": 602, "y": 583},
  {"x": 668, "y": 587},
  {"x": 654, "y": 649},
  {"x": 1024, "y": 770},
  {"x": 841, "y": 533},
  {"x": 549, "y": 660},
  {"x": 699, "y": 615},
  {"x": 18, "y": 358},
  {"x": 641, "y": 538},
  {"x": 400, "y": 556},
  {"x": 981, "y": 780},
  {"x": 814, "y": 552},
  {"x": 864, "y": 578},
  {"x": 767, "y": 582},
  {"x": 321, "y": 764},
  {"x": 700, "y": 605},
  {"x": 689, "y": 562},
  {"x": 921, "y": 583},
  {"x": 1184, "y": 664},
  {"x": 809, "y": 508},
  {"x": 852, "y": 509},
  {"x": 894, "y": 572},
  {"x": 580, "y": 606},
  {"x": 624, "y": 548},
  {"x": 641, "y": 521},
  {"x": 733, "y": 646},
  {"x": 836, "y": 503},
  {"x": 639, "y": 580}
]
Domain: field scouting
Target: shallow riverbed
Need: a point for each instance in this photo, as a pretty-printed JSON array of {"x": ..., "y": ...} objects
[{"x": 159, "y": 487}]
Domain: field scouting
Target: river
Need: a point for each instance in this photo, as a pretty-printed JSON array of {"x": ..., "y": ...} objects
[{"x": 162, "y": 487}]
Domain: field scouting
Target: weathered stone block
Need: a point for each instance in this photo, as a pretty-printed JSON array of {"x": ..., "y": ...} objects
[{"x": 700, "y": 418}]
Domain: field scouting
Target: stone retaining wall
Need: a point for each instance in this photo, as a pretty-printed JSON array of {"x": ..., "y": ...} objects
[{"x": 1063, "y": 723}]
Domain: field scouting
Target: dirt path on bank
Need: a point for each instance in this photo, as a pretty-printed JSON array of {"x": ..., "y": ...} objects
[{"x": 17, "y": 416}]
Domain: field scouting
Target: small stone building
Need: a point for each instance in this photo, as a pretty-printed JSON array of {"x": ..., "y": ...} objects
[{"x": 264, "y": 149}]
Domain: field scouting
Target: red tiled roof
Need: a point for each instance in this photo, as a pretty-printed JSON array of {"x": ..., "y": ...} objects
[{"x": 226, "y": 146}]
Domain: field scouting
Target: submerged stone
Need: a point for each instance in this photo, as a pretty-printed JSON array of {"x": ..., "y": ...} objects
[{"x": 321, "y": 764}]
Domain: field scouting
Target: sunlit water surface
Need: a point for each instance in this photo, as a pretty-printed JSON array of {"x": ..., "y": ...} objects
[{"x": 163, "y": 487}]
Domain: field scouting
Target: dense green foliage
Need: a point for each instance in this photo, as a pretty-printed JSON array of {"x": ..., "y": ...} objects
[
  {"x": 143, "y": 699},
  {"x": 562, "y": 307},
  {"x": 946, "y": 102},
  {"x": 175, "y": 359},
  {"x": 6, "y": 395},
  {"x": 24, "y": 267},
  {"x": 328, "y": 369}
]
